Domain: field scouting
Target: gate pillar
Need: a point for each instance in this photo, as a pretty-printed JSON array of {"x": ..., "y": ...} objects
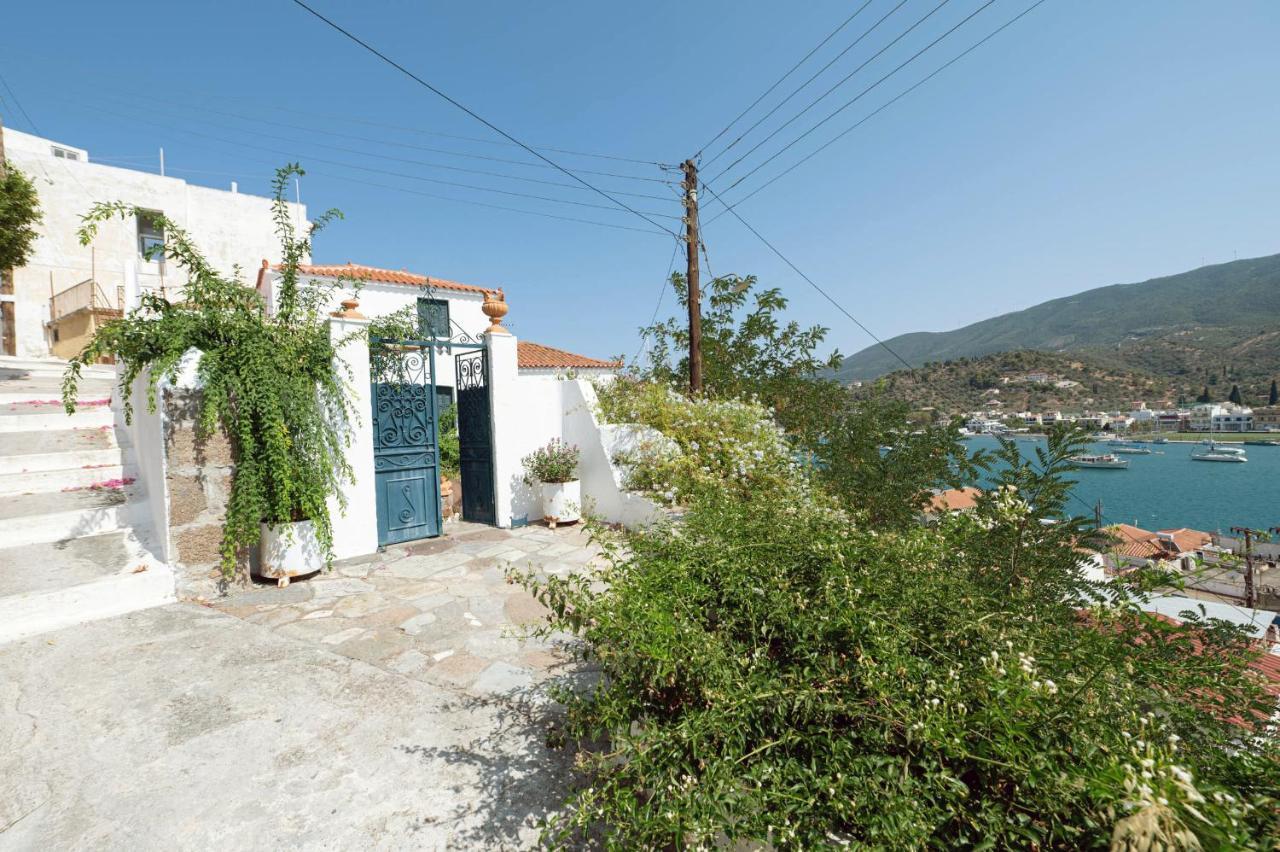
[
  {"x": 504, "y": 397},
  {"x": 355, "y": 533}
]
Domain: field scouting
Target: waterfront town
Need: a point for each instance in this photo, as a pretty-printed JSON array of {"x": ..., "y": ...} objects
[{"x": 1218, "y": 418}]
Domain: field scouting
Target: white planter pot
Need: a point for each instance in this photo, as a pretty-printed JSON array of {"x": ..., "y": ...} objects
[
  {"x": 290, "y": 550},
  {"x": 561, "y": 502}
]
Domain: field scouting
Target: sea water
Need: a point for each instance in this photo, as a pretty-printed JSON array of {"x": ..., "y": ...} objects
[{"x": 1168, "y": 490}]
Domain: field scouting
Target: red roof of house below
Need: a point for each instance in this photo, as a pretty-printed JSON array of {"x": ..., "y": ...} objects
[
  {"x": 955, "y": 499},
  {"x": 535, "y": 356},
  {"x": 388, "y": 276}
]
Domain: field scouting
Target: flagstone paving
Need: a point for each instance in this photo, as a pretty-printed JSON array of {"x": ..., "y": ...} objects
[
  {"x": 389, "y": 704},
  {"x": 440, "y": 611}
]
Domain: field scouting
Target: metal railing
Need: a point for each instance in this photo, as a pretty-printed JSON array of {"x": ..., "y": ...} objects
[{"x": 87, "y": 294}]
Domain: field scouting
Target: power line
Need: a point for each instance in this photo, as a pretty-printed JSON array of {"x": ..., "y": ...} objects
[
  {"x": 391, "y": 173},
  {"x": 397, "y": 144},
  {"x": 358, "y": 152},
  {"x": 662, "y": 291},
  {"x": 489, "y": 205},
  {"x": 475, "y": 115},
  {"x": 13, "y": 97},
  {"x": 810, "y": 281},
  {"x": 880, "y": 109},
  {"x": 791, "y": 71},
  {"x": 419, "y": 130},
  {"x": 857, "y": 97},
  {"x": 798, "y": 89}
]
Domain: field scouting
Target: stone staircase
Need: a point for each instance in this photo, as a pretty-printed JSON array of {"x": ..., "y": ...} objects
[{"x": 68, "y": 550}]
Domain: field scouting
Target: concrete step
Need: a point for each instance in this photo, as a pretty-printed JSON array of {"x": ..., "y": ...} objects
[
  {"x": 35, "y": 417},
  {"x": 46, "y": 566},
  {"x": 64, "y": 449},
  {"x": 32, "y": 463},
  {"x": 113, "y": 472},
  {"x": 16, "y": 445},
  {"x": 60, "y": 515},
  {"x": 46, "y": 587},
  {"x": 51, "y": 366}
]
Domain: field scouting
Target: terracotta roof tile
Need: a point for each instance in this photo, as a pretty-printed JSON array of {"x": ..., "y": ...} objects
[
  {"x": 1187, "y": 540},
  {"x": 388, "y": 276},
  {"x": 955, "y": 499},
  {"x": 536, "y": 356}
]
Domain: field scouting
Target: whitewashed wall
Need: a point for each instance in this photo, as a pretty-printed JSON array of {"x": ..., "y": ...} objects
[
  {"x": 378, "y": 299},
  {"x": 144, "y": 442},
  {"x": 230, "y": 228},
  {"x": 602, "y": 481}
]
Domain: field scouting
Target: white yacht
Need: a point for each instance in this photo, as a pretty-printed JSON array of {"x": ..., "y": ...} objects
[{"x": 1105, "y": 460}]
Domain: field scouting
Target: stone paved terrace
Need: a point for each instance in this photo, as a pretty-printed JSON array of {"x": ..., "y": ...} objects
[
  {"x": 440, "y": 611},
  {"x": 390, "y": 704}
]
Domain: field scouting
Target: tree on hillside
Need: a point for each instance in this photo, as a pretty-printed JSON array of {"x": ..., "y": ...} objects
[
  {"x": 1274, "y": 396},
  {"x": 1204, "y": 395},
  {"x": 1235, "y": 395},
  {"x": 748, "y": 350}
]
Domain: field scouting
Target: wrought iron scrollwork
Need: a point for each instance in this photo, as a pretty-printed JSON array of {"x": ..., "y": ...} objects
[
  {"x": 402, "y": 398},
  {"x": 471, "y": 371}
]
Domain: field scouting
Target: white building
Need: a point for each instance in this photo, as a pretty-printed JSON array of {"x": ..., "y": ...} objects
[
  {"x": 1233, "y": 418},
  {"x": 1201, "y": 419},
  {"x": 1224, "y": 417},
  {"x": 227, "y": 225}
]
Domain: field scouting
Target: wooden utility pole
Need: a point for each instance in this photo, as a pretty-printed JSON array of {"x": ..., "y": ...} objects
[
  {"x": 1250, "y": 594},
  {"x": 690, "y": 170}
]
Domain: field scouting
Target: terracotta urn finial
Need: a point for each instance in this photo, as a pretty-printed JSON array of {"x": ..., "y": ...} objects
[
  {"x": 495, "y": 308},
  {"x": 349, "y": 306}
]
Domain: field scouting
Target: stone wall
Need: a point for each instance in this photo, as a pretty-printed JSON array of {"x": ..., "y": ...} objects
[{"x": 198, "y": 479}]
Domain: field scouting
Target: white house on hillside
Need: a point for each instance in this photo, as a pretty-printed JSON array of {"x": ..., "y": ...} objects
[{"x": 68, "y": 282}]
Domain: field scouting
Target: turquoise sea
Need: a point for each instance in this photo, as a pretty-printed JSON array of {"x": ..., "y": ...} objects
[{"x": 1167, "y": 489}]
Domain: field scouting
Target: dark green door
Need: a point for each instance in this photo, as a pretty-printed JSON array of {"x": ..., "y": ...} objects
[
  {"x": 475, "y": 438},
  {"x": 405, "y": 452}
]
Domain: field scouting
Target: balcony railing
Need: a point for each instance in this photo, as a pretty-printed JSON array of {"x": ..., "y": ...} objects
[{"x": 87, "y": 294}]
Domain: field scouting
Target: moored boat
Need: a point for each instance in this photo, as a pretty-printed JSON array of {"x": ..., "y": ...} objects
[
  {"x": 1220, "y": 454},
  {"x": 1104, "y": 460},
  {"x": 1263, "y": 443}
]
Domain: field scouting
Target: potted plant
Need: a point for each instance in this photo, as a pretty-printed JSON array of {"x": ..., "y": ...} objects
[
  {"x": 268, "y": 379},
  {"x": 555, "y": 467}
]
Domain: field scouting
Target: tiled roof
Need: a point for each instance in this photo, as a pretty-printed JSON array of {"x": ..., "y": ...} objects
[
  {"x": 955, "y": 499},
  {"x": 1138, "y": 543},
  {"x": 1187, "y": 540},
  {"x": 536, "y": 356},
  {"x": 1135, "y": 542},
  {"x": 388, "y": 276}
]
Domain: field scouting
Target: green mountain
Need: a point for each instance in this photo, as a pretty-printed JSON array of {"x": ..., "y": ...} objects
[{"x": 1220, "y": 322}]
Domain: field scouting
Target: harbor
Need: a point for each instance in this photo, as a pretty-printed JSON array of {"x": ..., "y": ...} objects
[{"x": 1168, "y": 487}]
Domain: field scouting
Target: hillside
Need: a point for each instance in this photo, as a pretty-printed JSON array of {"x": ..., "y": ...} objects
[
  {"x": 1003, "y": 381},
  {"x": 1192, "y": 326}
]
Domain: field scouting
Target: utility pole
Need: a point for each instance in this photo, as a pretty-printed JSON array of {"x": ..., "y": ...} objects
[
  {"x": 1250, "y": 595},
  {"x": 690, "y": 170}
]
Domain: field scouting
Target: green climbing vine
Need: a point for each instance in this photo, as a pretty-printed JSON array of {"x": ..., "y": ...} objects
[{"x": 270, "y": 381}]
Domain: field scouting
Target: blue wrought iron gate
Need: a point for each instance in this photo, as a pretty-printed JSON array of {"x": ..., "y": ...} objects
[
  {"x": 475, "y": 437},
  {"x": 406, "y": 458}
]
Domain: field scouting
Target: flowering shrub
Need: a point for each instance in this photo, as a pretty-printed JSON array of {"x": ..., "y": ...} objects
[
  {"x": 776, "y": 675},
  {"x": 730, "y": 444},
  {"x": 556, "y": 462}
]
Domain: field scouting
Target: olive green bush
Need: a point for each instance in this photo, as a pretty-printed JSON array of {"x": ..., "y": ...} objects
[
  {"x": 721, "y": 443},
  {"x": 776, "y": 673}
]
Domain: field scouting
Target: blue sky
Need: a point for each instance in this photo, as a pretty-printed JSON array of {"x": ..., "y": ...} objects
[{"x": 1091, "y": 143}]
